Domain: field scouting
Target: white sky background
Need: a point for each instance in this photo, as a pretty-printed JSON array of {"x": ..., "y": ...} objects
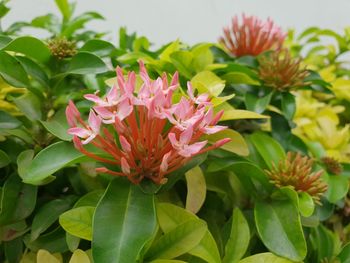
[{"x": 191, "y": 21}]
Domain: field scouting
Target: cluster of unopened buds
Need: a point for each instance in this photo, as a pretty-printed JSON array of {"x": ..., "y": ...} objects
[
  {"x": 252, "y": 36},
  {"x": 146, "y": 134}
]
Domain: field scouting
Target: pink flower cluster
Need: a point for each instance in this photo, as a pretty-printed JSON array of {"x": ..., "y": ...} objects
[
  {"x": 252, "y": 37},
  {"x": 145, "y": 134}
]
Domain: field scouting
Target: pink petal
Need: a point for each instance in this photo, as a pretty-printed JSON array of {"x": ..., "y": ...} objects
[
  {"x": 71, "y": 114},
  {"x": 213, "y": 129},
  {"x": 173, "y": 141},
  {"x": 124, "y": 109},
  {"x": 186, "y": 136},
  {"x": 192, "y": 149},
  {"x": 125, "y": 144},
  {"x": 80, "y": 132},
  {"x": 120, "y": 78},
  {"x": 125, "y": 166},
  {"x": 190, "y": 90},
  {"x": 112, "y": 95},
  {"x": 96, "y": 99},
  {"x": 94, "y": 122},
  {"x": 103, "y": 112},
  {"x": 89, "y": 139},
  {"x": 164, "y": 164}
]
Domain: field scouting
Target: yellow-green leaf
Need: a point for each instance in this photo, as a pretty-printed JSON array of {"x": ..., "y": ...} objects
[
  {"x": 79, "y": 256},
  {"x": 239, "y": 78},
  {"x": 236, "y": 145},
  {"x": 207, "y": 81},
  {"x": 44, "y": 256},
  {"x": 265, "y": 258},
  {"x": 196, "y": 189}
]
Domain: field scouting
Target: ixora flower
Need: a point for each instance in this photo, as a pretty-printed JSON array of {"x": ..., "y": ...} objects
[
  {"x": 280, "y": 71},
  {"x": 145, "y": 134},
  {"x": 252, "y": 37},
  {"x": 296, "y": 171}
]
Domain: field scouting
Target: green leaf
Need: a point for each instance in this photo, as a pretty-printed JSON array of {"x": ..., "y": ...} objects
[
  {"x": 30, "y": 47},
  {"x": 30, "y": 106},
  {"x": 65, "y": 9},
  {"x": 8, "y": 122},
  {"x": 179, "y": 240},
  {"x": 202, "y": 56},
  {"x": 170, "y": 216},
  {"x": 24, "y": 160},
  {"x": 48, "y": 214},
  {"x": 34, "y": 70},
  {"x": 239, "y": 78},
  {"x": 86, "y": 63},
  {"x": 58, "y": 126},
  {"x": 78, "y": 221},
  {"x": 278, "y": 225},
  {"x": 4, "y": 159},
  {"x": 17, "y": 200},
  {"x": 196, "y": 189},
  {"x": 265, "y": 258},
  {"x": 208, "y": 82},
  {"x": 239, "y": 238},
  {"x": 167, "y": 261},
  {"x": 269, "y": 149},
  {"x": 306, "y": 204},
  {"x": 79, "y": 256},
  {"x": 49, "y": 22},
  {"x": 288, "y": 105},
  {"x": 257, "y": 104},
  {"x": 338, "y": 187},
  {"x": 344, "y": 255},
  {"x": 44, "y": 256},
  {"x": 90, "y": 199},
  {"x": 233, "y": 114},
  {"x": 127, "y": 216},
  {"x": 98, "y": 47},
  {"x": 79, "y": 22},
  {"x": 50, "y": 160},
  {"x": 12, "y": 71},
  {"x": 182, "y": 60},
  {"x": 236, "y": 145}
]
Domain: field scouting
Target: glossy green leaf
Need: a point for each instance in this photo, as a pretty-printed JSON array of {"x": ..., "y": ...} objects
[
  {"x": 288, "y": 105},
  {"x": 239, "y": 78},
  {"x": 202, "y": 56},
  {"x": 58, "y": 126},
  {"x": 8, "y": 122},
  {"x": 170, "y": 216},
  {"x": 338, "y": 187},
  {"x": 270, "y": 150},
  {"x": 30, "y": 106},
  {"x": 196, "y": 189},
  {"x": 306, "y": 204},
  {"x": 78, "y": 221},
  {"x": 167, "y": 261},
  {"x": 17, "y": 200},
  {"x": 48, "y": 214},
  {"x": 179, "y": 240},
  {"x": 127, "y": 216},
  {"x": 238, "y": 241},
  {"x": 182, "y": 60},
  {"x": 23, "y": 161},
  {"x": 31, "y": 47},
  {"x": 236, "y": 145},
  {"x": 4, "y": 159},
  {"x": 90, "y": 199},
  {"x": 257, "y": 104},
  {"x": 34, "y": 70},
  {"x": 86, "y": 63},
  {"x": 265, "y": 258},
  {"x": 12, "y": 71},
  {"x": 344, "y": 255},
  {"x": 64, "y": 7},
  {"x": 208, "y": 82},
  {"x": 278, "y": 225},
  {"x": 50, "y": 160},
  {"x": 98, "y": 47}
]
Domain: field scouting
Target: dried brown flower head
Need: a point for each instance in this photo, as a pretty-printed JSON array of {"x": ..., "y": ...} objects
[
  {"x": 332, "y": 165},
  {"x": 296, "y": 171},
  {"x": 279, "y": 70},
  {"x": 62, "y": 48}
]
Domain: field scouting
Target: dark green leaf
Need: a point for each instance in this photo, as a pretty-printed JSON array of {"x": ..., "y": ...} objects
[
  {"x": 12, "y": 71},
  {"x": 4, "y": 159},
  {"x": 98, "y": 47},
  {"x": 86, "y": 63},
  {"x": 288, "y": 105},
  {"x": 8, "y": 122},
  {"x": 127, "y": 216}
]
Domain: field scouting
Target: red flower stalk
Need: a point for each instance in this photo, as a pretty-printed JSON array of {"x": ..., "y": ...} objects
[
  {"x": 252, "y": 37},
  {"x": 145, "y": 134}
]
